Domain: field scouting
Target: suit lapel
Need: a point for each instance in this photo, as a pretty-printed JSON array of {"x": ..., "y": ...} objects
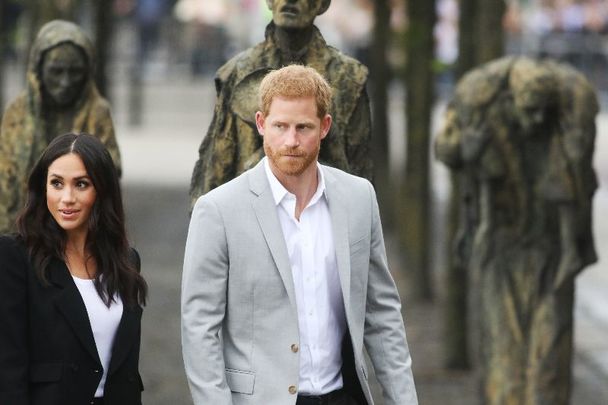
[
  {"x": 126, "y": 336},
  {"x": 265, "y": 211},
  {"x": 70, "y": 304},
  {"x": 339, "y": 224}
]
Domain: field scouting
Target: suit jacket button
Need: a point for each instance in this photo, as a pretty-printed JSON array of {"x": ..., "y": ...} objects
[
  {"x": 96, "y": 371},
  {"x": 294, "y": 348},
  {"x": 293, "y": 389}
]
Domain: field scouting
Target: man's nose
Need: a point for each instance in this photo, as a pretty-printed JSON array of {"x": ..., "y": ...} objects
[{"x": 291, "y": 138}]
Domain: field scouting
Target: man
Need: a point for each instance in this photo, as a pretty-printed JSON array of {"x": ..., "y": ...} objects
[
  {"x": 61, "y": 96},
  {"x": 285, "y": 275},
  {"x": 232, "y": 146}
]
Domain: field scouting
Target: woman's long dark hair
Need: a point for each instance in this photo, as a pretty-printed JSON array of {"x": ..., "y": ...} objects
[{"x": 106, "y": 237}]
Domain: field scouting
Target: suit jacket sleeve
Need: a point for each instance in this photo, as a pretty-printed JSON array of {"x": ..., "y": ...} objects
[
  {"x": 203, "y": 307},
  {"x": 384, "y": 333},
  {"x": 14, "y": 316}
]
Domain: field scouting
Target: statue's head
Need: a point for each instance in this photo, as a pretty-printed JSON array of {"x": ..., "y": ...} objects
[
  {"x": 63, "y": 74},
  {"x": 296, "y": 14},
  {"x": 535, "y": 91},
  {"x": 61, "y": 63}
]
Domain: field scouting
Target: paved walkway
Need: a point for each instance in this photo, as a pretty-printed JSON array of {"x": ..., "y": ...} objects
[{"x": 158, "y": 159}]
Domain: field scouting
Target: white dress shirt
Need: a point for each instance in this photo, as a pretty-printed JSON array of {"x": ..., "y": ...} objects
[{"x": 312, "y": 255}]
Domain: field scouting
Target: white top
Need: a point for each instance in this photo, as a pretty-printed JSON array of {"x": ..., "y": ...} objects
[
  {"x": 312, "y": 255},
  {"x": 104, "y": 322}
]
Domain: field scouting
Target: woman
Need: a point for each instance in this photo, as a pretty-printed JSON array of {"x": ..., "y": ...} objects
[
  {"x": 60, "y": 96},
  {"x": 70, "y": 288}
]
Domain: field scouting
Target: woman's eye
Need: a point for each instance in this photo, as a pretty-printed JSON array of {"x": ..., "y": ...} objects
[
  {"x": 82, "y": 184},
  {"x": 55, "y": 183}
]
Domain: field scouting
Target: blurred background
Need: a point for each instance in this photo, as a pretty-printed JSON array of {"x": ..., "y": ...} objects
[{"x": 156, "y": 61}]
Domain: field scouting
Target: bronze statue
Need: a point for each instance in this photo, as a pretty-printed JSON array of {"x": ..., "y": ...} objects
[
  {"x": 232, "y": 143},
  {"x": 60, "y": 97},
  {"x": 521, "y": 134}
]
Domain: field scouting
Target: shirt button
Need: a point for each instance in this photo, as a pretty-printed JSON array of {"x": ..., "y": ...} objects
[
  {"x": 292, "y": 389},
  {"x": 294, "y": 348}
]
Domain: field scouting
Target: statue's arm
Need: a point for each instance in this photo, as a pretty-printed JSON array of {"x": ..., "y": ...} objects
[
  {"x": 10, "y": 189},
  {"x": 448, "y": 141},
  {"x": 358, "y": 138},
  {"x": 570, "y": 262},
  {"x": 575, "y": 170},
  {"x": 102, "y": 126},
  {"x": 216, "y": 162}
]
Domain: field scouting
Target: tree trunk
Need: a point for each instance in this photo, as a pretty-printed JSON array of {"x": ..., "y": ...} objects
[
  {"x": 3, "y": 40},
  {"x": 489, "y": 18},
  {"x": 415, "y": 202},
  {"x": 380, "y": 75},
  {"x": 479, "y": 19},
  {"x": 456, "y": 315},
  {"x": 467, "y": 44},
  {"x": 103, "y": 39}
]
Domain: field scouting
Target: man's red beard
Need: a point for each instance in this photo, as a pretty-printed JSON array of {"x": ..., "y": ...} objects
[{"x": 291, "y": 162}]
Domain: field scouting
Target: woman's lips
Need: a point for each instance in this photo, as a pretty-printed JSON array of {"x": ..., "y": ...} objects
[{"x": 69, "y": 214}]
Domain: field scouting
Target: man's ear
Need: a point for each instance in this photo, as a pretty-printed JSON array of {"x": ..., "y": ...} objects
[
  {"x": 325, "y": 125},
  {"x": 259, "y": 122}
]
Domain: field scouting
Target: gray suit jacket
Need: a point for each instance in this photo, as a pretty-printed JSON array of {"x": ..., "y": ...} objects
[{"x": 239, "y": 317}]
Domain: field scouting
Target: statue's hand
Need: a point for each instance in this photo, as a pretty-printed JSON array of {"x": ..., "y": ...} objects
[
  {"x": 474, "y": 141},
  {"x": 482, "y": 243},
  {"x": 569, "y": 265},
  {"x": 253, "y": 159}
]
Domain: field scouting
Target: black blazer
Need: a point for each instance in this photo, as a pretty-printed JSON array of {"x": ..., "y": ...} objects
[{"x": 47, "y": 350}]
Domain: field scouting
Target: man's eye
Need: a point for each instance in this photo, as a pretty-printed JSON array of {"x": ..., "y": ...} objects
[{"x": 304, "y": 128}]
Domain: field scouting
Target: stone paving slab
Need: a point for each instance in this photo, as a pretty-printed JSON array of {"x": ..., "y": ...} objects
[{"x": 158, "y": 162}]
